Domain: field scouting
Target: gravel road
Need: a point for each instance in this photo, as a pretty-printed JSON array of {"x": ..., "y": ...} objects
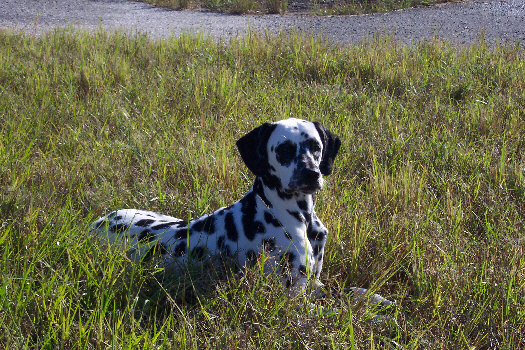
[{"x": 461, "y": 23}]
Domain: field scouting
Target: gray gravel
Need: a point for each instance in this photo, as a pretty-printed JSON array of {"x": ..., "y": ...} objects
[{"x": 460, "y": 23}]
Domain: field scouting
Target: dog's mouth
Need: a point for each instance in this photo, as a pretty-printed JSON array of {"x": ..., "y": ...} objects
[{"x": 309, "y": 188}]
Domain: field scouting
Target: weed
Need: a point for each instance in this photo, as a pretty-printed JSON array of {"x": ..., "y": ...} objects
[{"x": 277, "y": 6}]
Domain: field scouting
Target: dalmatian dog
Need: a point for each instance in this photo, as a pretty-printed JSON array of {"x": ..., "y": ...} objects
[{"x": 289, "y": 159}]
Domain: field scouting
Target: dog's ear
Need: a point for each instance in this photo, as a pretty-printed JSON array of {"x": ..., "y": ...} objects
[
  {"x": 331, "y": 144},
  {"x": 252, "y": 148}
]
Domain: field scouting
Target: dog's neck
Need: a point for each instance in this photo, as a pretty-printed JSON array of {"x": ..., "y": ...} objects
[{"x": 294, "y": 211}]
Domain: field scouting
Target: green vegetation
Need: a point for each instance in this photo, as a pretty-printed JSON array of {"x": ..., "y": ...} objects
[
  {"x": 426, "y": 205},
  {"x": 331, "y": 7}
]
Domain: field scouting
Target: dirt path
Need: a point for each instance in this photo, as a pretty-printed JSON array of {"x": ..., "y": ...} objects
[{"x": 461, "y": 23}]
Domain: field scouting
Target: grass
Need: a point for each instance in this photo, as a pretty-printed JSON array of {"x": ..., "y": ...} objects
[
  {"x": 426, "y": 204},
  {"x": 358, "y": 7},
  {"x": 330, "y": 7}
]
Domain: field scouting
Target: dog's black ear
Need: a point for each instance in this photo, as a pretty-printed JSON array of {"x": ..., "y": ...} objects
[
  {"x": 252, "y": 148},
  {"x": 331, "y": 144}
]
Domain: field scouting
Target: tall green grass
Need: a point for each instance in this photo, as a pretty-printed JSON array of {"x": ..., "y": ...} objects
[{"x": 426, "y": 204}]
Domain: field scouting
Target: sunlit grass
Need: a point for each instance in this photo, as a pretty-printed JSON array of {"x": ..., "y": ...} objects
[{"x": 426, "y": 204}]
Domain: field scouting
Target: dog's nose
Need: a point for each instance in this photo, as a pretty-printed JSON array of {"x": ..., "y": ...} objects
[{"x": 310, "y": 175}]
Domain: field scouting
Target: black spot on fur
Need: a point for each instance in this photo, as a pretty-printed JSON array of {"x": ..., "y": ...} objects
[
  {"x": 220, "y": 242},
  {"x": 163, "y": 249},
  {"x": 181, "y": 223},
  {"x": 248, "y": 209},
  {"x": 298, "y": 216},
  {"x": 307, "y": 216},
  {"x": 163, "y": 226},
  {"x": 198, "y": 253},
  {"x": 311, "y": 145},
  {"x": 251, "y": 257},
  {"x": 259, "y": 227},
  {"x": 221, "y": 211},
  {"x": 285, "y": 152},
  {"x": 258, "y": 188},
  {"x": 270, "y": 219},
  {"x": 272, "y": 182},
  {"x": 206, "y": 225},
  {"x": 317, "y": 249},
  {"x": 269, "y": 244},
  {"x": 112, "y": 214},
  {"x": 231, "y": 229},
  {"x": 284, "y": 195},
  {"x": 223, "y": 247},
  {"x": 302, "y": 205},
  {"x": 146, "y": 236},
  {"x": 118, "y": 228},
  {"x": 314, "y": 235},
  {"x": 118, "y": 217},
  {"x": 101, "y": 223},
  {"x": 182, "y": 233},
  {"x": 144, "y": 222},
  {"x": 302, "y": 270},
  {"x": 180, "y": 249},
  {"x": 286, "y": 261}
]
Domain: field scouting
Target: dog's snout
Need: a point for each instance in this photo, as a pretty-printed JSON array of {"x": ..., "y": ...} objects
[
  {"x": 307, "y": 171},
  {"x": 310, "y": 175}
]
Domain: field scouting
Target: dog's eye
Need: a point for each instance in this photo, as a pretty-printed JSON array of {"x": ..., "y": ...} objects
[
  {"x": 313, "y": 145},
  {"x": 285, "y": 152}
]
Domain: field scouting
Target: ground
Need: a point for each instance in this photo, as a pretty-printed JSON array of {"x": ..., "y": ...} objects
[{"x": 460, "y": 23}]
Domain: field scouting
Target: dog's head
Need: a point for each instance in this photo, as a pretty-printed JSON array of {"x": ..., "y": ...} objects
[{"x": 291, "y": 155}]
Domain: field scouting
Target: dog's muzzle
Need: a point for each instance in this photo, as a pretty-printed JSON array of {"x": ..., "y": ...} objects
[{"x": 306, "y": 179}]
